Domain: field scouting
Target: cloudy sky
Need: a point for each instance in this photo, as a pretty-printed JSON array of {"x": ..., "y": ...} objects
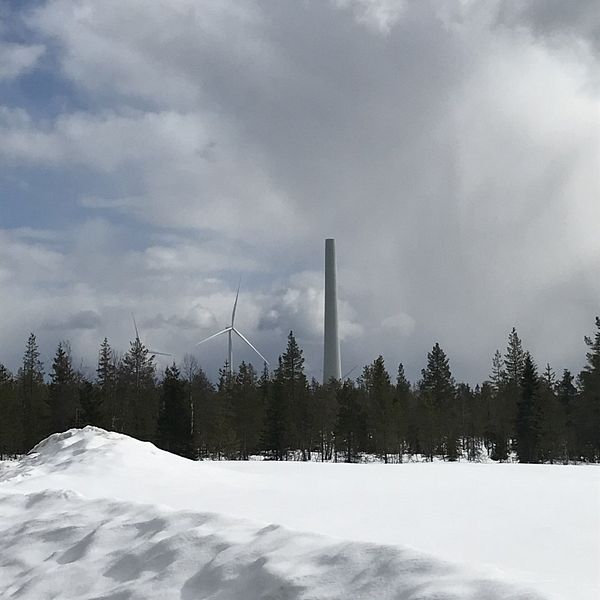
[{"x": 152, "y": 152}]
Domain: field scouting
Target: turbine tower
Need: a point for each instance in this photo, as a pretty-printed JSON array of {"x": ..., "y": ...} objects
[
  {"x": 230, "y": 331},
  {"x": 331, "y": 355}
]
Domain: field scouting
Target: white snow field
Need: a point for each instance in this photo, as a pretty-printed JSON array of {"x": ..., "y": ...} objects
[{"x": 98, "y": 515}]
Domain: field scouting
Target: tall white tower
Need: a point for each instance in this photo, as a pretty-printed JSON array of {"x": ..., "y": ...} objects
[{"x": 331, "y": 356}]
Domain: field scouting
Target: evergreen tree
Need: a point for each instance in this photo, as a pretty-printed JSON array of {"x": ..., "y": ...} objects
[
  {"x": 174, "y": 427},
  {"x": 567, "y": 396},
  {"x": 222, "y": 441},
  {"x": 438, "y": 424},
  {"x": 514, "y": 359},
  {"x": 106, "y": 384},
  {"x": 136, "y": 386},
  {"x": 528, "y": 422},
  {"x": 91, "y": 403},
  {"x": 507, "y": 383},
  {"x": 552, "y": 420},
  {"x": 323, "y": 406},
  {"x": 247, "y": 411},
  {"x": 498, "y": 374},
  {"x": 290, "y": 393},
  {"x": 402, "y": 413},
  {"x": 588, "y": 418},
  {"x": 379, "y": 393},
  {"x": 11, "y": 434},
  {"x": 32, "y": 393},
  {"x": 351, "y": 421},
  {"x": 62, "y": 396}
]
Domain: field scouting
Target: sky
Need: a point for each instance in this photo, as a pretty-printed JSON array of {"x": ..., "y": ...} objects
[{"x": 152, "y": 153}]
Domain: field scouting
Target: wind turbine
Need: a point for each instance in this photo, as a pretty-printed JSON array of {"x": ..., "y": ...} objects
[
  {"x": 230, "y": 331},
  {"x": 137, "y": 339}
]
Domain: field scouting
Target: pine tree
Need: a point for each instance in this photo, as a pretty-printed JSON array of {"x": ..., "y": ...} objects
[
  {"x": 514, "y": 359},
  {"x": 323, "y": 406},
  {"x": 568, "y": 398},
  {"x": 588, "y": 418},
  {"x": 62, "y": 397},
  {"x": 247, "y": 410},
  {"x": 351, "y": 421},
  {"x": 32, "y": 393},
  {"x": 438, "y": 410},
  {"x": 292, "y": 387},
  {"x": 174, "y": 431},
  {"x": 136, "y": 382},
  {"x": 287, "y": 412},
  {"x": 106, "y": 384},
  {"x": 380, "y": 402},
  {"x": 528, "y": 422},
  {"x": 11, "y": 434},
  {"x": 498, "y": 374},
  {"x": 91, "y": 403},
  {"x": 552, "y": 419},
  {"x": 506, "y": 396},
  {"x": 402, "y": 413}
]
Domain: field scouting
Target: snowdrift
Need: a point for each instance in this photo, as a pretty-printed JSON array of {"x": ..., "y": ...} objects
[{"x": 93, "y": 514}]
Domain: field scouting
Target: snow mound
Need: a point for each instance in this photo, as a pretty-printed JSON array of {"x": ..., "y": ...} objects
[
  {"x": 538, "y": 525},
  {"x": 79, "y": 548}
]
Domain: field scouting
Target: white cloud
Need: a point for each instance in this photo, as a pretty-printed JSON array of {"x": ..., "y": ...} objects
[
  {"x": 454, "y": 159},
  {"x": 16, "y": 59},
  {"x": 380, "y": 15}
]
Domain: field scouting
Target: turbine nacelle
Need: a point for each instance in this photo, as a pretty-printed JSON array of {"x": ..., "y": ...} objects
[
  {"x": 137, "y": 338},
  {"x": 229, "y": 331}
]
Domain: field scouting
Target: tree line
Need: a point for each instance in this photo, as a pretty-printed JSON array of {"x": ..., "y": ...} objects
[{"x": 517, "y": 413}]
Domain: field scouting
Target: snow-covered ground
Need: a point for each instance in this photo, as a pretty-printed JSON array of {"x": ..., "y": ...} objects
[{"x": 97, "y": 515}]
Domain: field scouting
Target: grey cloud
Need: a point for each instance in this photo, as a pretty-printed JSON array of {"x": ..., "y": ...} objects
[
  {"x": 452, "y": 159},
  {"x": 555, "y": 20},
  {"x": 16, "y": 59},
  {"x": 84, "y": 319}
]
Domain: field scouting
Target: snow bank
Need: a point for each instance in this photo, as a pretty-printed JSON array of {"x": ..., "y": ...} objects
[
  {"x": 76, "y": 548},
  {"x": 537, "y": 525}
]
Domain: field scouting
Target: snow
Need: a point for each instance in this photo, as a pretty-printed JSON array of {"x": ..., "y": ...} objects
[{"x": 94, "y": 514}]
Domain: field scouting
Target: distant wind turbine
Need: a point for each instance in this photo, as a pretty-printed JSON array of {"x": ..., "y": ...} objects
[
  {"x": 137, "y": 339},
  {"x": 229, "y": 331}
]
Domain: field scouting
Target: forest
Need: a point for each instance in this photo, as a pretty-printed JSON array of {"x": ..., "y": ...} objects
[{"x": 519, "y": 413}]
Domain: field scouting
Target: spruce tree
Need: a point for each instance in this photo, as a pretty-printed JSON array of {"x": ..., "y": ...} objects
[
  {"x": 380, "y": 402},
  {"x": 552, "y": 419},
  {"x": 247, "y": 411},
  {"x": 528, "y": 421},
  {"x": 11, "y": 434},
  {"x": 568, "y": 398},
  {"x": 292, "y": 386},
  {"x": 402, "y": 413},
  {"x": 32, "y": 393},
  {"x": 62, "y": 396},
  {"x": 351, "y": 421},
  {"x": 438, "y": 422},
  {"x": 514, "y": 359},
  {"x": 506, "y": 397},
  {"x": 137, "y": 389},
  {"x": 498, "y": 374},
  {"x": 174, "y": 426},
  {"x": 323, "y": 406},
  {"x": 106, "y": 385},
  {"x": 588, "y": 418},
  {"x": 91, "y": 403}
]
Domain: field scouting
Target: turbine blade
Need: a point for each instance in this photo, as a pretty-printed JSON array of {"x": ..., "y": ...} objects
[
  {"x": 249, "y": 344},
  {"x": 210, "y": 337},
  {"x": 137, "y": 335},
  {"x": 159, "y": 353},
  {"x": 235, "y": 303},
  {"x": 349, "y": 372}
]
